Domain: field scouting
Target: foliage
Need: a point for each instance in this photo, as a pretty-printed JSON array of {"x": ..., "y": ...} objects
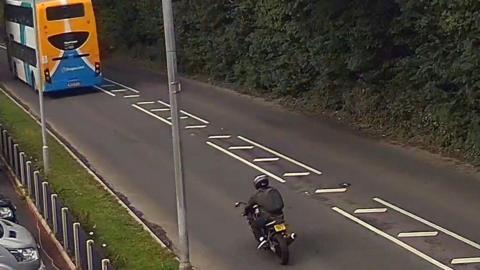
[{"x": 404, "y": 67}]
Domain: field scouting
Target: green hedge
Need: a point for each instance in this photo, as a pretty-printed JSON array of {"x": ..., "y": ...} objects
[{"x": 407, "y": 68}]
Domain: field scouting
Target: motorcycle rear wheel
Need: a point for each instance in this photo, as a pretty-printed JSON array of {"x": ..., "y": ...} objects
[{"x": 281, "y": 248}]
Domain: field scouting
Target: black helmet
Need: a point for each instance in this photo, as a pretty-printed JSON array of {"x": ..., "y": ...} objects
[{"x": 261, "y": 181}]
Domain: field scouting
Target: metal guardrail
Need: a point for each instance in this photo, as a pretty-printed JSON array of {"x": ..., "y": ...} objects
[{"x": 76, "y": 242}]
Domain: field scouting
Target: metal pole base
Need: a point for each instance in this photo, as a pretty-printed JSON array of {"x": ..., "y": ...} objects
[
  {"x": 185, "y": 266},
  {"x": 45, "y": 159}
]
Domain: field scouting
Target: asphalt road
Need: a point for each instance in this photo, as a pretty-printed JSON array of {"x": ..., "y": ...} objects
[{"x": 123, "y": 131}]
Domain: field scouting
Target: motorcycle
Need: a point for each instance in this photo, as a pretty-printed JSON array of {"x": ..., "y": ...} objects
[{"x": 276, "y": 236}]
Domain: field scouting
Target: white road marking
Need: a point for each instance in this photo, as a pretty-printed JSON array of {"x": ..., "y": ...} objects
[
  {"x": 370, "y": 210},
  {"x": 330, "y": 190},
  {"x": 151, "y": 114},
  {"x": 428, "y": 223},
  {"x": 105, "y": 91},
  {"x": 417, "y": 234},
  {"x": 145, "y": 102},
  {"x": 220, "y": 137},
  {"x": 244, "y": 161},
  {"x": 181, "y": 117},
  {"x": 466, "y": 260},
  {"x": 195, "y": 117},
  {"x": 280, "y": 155},
  {"x": 122, "y": 85},
  {"x": 295, "y": 174},
  {"x": 3, "y": 46},
  {"x": 195, "y": 127},
  {"x": 392, "y": 239},
  {"x": 266, "y": 159},
  {"x": 160, "y": 110},
  {"x": 118, "y": 90},
  {"x": 107, "y": 85},
  {"x": 131, "y": 96},
  {"x": 186, "y": 113},
  {"x": 242, "y": 147}
]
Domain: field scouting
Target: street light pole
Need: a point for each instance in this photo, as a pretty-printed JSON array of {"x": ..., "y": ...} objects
[
  {"x": 174, "y": 89},
  {"x": 40, "y": 92}
]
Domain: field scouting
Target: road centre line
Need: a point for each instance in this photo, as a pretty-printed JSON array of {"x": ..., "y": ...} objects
[
  {"x": 219, "y": 137},
  {"x": 145, "y": 102},
  {"x": 370, "y": 210},
  {"x": 151, "y": 114},
  {"x": 330, "y": 190},
  {"x": 185, "y": 112},
  {"x": 280, "y": 155},
  {"x": 196, "y": 127},
  {"x": 428, "y": 223},
  {"x": 417, "y": 234},
  {"x": 118, "y": 90},
  {"x": 266, "y": 159},
  {"x": 241, "y": 147},
  {"x": 160, "y": 110},
  {"x": 105, "y": 91},
  {"x": 131, "y": 96},
  {"x": 294, "y": 174},
  {"x": 466, "y": 260},
  {"x": 244, "y": 161},
  {"x": 391, "y": 238},
  {"x": 122, "y": 85}
]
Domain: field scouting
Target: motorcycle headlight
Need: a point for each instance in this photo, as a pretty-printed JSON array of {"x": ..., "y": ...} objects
[
  {"x": 25, "y": 254},
  {"x": 6, "y": 212}
]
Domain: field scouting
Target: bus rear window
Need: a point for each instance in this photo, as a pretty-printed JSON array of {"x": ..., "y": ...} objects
[{"x": 65, "y": 12}]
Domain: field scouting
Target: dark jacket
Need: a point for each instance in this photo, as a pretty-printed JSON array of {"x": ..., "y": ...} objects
[{"x": 268, "y": 199}]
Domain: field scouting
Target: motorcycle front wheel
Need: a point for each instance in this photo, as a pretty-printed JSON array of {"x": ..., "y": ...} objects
[{"x": 281, "y": 248}]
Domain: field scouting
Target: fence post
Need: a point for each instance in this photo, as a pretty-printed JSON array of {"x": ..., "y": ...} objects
[
  {"x": 105, "y": 263},
  {"x": 45, "y": 200},
  {"x": 64, "y": 227},
  {"x": 10, "y": 151},
  {"x": 90, "y": 254},
  {"x": 15, "y": 159},
  {"x": 4, "y": 143},
  {"x": 36, "y": 176},
  {"x": 29, "y": 178},
  {"x": 54, "y": 214},
  {"x": 76, "y": 243},
  {"x": 22, "y": 168},
  {"x": 1, "y": 139}
]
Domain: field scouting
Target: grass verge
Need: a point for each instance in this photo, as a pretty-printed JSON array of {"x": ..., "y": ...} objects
[{"x": 128, "y": 244}]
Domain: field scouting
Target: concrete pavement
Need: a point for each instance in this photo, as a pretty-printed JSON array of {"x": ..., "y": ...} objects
[{"x": 124, "y": 132}]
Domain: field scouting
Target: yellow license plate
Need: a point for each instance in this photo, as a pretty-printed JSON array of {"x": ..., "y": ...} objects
[{"x": 280, "y": 227}]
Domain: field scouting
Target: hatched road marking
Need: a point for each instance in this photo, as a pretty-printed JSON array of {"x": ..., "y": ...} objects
[
  {"x": 428, "y": 223},
  {"x": 280, "y": 155},
  {"x": 151, "y": 114},
  {"x": 294, "y": 174},
  {"x": 266, "y": 159},
  {"x": 220, "y": 137},
  {"x": 122, "y": 85},
  {"x": 417, "y": 234},
  {"x": 370, "y": 210},
  {"x": 392, "y": 239},
  {"x": 105, "y": 91},
  {"x": 245, "y": 147},
  {"x": 466, "y": 260}
]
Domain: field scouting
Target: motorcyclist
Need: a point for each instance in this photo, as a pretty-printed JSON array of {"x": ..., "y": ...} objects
[{"x": 270, "y": 205}]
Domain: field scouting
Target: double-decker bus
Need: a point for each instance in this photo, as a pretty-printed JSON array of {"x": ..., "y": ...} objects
[{"x": 55, "y": 42}]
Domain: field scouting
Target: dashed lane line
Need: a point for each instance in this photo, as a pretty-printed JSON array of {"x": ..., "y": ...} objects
[
  {"x": 122, "y": 85},
  {"x": 272, "y": 159},
  {"x": 417, "y": 234},
  {"x": 241, "y": 147},
  {"x": 280, "y": 155},
  {"x": 370, "y": 210},
  {"x": 330, "y": 190},
  {"x": 466, "y": 260},
  {"x": 105, "y": 91},
  {"x": 428, "y": 223},
  {"x": 392, "y": 239},
  {"x": 296, "y": 174},
  {"x": 219, "y": 137},
  {"x": 152, "y": 114},
  {"x": 246, "y": 162}
]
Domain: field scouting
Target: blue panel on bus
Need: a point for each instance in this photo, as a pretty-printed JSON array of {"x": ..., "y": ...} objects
[{"x": 72, "y": 72}]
